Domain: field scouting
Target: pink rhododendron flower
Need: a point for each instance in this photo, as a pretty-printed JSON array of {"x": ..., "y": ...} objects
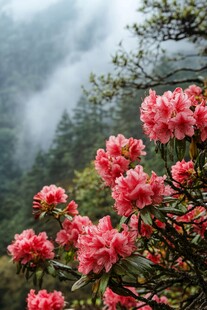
[
  {"x": 68, "y": 236},
  {"x": 115, "y": 145},
  {"x": 167, "y": 116},
  {"x": 110, "y": 168},
  {"x": 101, "y": 246},
  {"x": 129, "y": 148},
  {"x": 111, "y": 300},
  {"x": 183, "y": 172},
  {"x": 28, "y": 247},
  {"x": 194, "y": 92},
  {"x": 71, "y": 208},
  {"x": 120, "y": 153},
  {"x": 48, "y": 198},
  {"x": 45, "y": 301},
  {"x": 200, "y": 116},
  {"x": 137, "y": 190},
  {"x": 182, "y": 125}
]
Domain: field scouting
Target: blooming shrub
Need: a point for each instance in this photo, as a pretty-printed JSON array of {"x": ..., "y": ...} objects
[
  {"x": 173, "y": 114},
  {"x": 101, "y": 246},
  {"x": 30, "y": 248},
  {"x": 156, "y": 258},
  {"x": 120, "y": 154},
  {"x": 45, "y": 301},
  {"x": 137, "y": 190},
  {"x": 68, "y": 236}
]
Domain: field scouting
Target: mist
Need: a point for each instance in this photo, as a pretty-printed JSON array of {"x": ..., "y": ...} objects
[{"x": 88, "y": 40}]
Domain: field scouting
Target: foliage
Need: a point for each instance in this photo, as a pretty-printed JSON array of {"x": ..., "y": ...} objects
[
  {"x": 167, "y": 24},
  {"x": 156, "y": 255},
  {"x": 93, "y": 198}
]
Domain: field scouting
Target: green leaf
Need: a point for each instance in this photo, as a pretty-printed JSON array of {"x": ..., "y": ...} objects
[
  {"x": 60, "y": 265},
  {"x": 51, "y": 270},
  {"x": 158, "y": 214},
  {"x": 39, "y": 274},
  {"x": 120, "y": 290},
  {"x": 42, "y": 215},
  {"x": 180, "y": 148},
  {"x": 104, "y": 282},
  {"x": 174, "y": 210},
  {"x": 146, "y": 216},
  {"x": 68, "y": 217},
  {"x": 137, "y": 264},
  {"x": 202, "y": 159},
  {"x": 19, "y": 268},
  {"x": 84, "y": 280},
  {"x": 119, "y": 269}
]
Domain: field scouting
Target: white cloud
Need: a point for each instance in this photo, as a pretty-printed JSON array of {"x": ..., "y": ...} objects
[
  {"x": 23, "y": 9},
  {"x": 63, "y": 88}
]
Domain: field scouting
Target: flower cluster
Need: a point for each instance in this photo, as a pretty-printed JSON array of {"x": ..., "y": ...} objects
[
  {"x": 28, "y": 247},
  {"x": 119, "y": 155},
  {"x": 46, "y": 201},
  {"x": 183, "y": 173},
  {"x": 137, "y": 190},
  {"x": 48, "y": 198},
  {"x": 174, "y": 114},
  {"x": 159, "y": 225},
  {"x": 45, "y": 301},
  {"x": 68, "y": 236},
  {"x": 101, "y": 246}
]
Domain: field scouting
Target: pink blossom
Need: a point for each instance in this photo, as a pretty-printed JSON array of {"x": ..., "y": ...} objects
[
  {"x": 28, "y": 247},
  {"x": 120, "y": 153},
  {"x": 101, "y": 246},
  {"x": 137, "y": 190},
  {"x": 132, "y": 192},
  {"x": 167, "y": 116},
  {"x": 194, "y": 92},
  {"x": 111, "y": 300},
  {"x": 48, "y": 198},
  {"x": 136, "y": 148},
  {"x": 163, "y": 132},
  {"x": 181, "y": 102},
  {"x": 158, "y": 187},
  {"x": 71, "y": 208},
  {"x": 182, "y": 125},
  {"x": 110, "y": 168},
  {"x": 183, "y": 172},
  {"x": 200, "y": 116},
  {"x": 68, "y": 236},
  {"x": 129, "y": 148},
  {"x": 45, "y": 301},
  {"x": 115, "y": 144}
]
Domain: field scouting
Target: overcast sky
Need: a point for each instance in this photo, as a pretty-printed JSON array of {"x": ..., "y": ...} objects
[{"x": 63, "y": 88}]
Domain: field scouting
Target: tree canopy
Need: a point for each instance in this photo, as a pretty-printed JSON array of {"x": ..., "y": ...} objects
[{"x": 173, "y": 33}]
